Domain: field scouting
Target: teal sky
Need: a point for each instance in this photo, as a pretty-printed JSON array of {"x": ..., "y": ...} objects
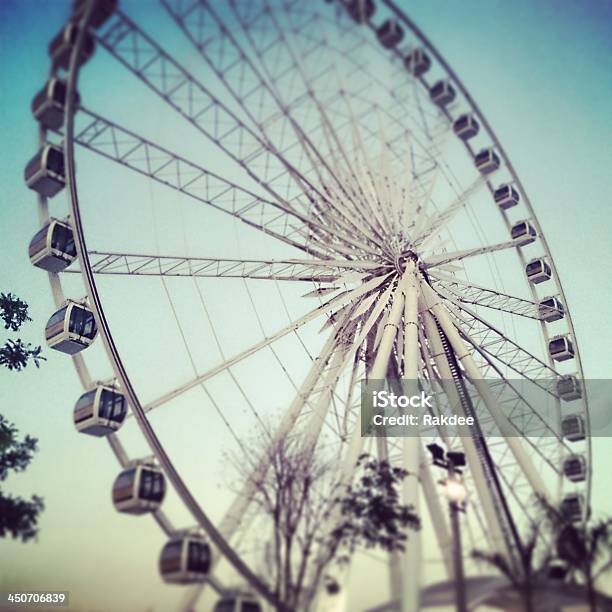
[{"x": 541, "y": 72}]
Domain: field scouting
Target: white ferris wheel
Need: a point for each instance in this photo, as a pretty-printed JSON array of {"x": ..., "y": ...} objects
[{"x": 269, "y": 201}]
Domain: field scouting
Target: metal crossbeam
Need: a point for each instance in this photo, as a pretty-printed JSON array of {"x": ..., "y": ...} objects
[
  {"x": 147, "y": 60},
  {"x": 320, "y": 271},
  {"x": 137, "y": 153},
  {"x": 451, "y": 257},
  {"x": 495, "y": 343},
  {"x": 468, "y": 293}
]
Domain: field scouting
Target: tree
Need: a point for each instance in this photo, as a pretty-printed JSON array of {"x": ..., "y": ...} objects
[
  {"x": 18, "y": 516},
  {"x": 531, "y": 571},
  {"x": 300, "y": 496},
  {"x": 585, "y": 547},
  {"x": 372, "y": 513},
  {"x": 13, "y": 311},
  {"x": 15, "y": 354}
]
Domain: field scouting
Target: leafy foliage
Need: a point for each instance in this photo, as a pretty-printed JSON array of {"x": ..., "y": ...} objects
[
  {"x": 318, "y": 521},
  {"x": 586, "y": 550},
  {"x": 585, "y": 547},
  {"x": 13, "y": 311},
  {"x": 15, "y": 354},
  {"x": 18, "y": 517},
  {"x": 532, "y": 569},
  {"x": 14, "y": 455},
  {"x": 372, "y": 512}
]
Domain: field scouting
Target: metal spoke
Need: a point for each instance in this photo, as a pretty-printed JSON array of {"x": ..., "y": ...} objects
[
  {"x": 319, "y": 271},
  {"x": 505, "y": 350},
  {"x": 469, "y": 293},
  {"x": 119, "y": 144},
  {"x": 328, "y": 307},
  {"x": 446, "y": 258},
  {"x": 206, "y": 112}
]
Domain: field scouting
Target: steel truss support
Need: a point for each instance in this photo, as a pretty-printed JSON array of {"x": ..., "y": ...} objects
[
  {"x": 494, "y": 342},
  {"x": 446, "y": 258},
  {"x": 140, "y": 54},
  {"x": 411, "y": 448},
  {"x": 278, "y": 219},
  {"x": 306, "y": 270},
  {"x": 464, "y": 292},
  {"x": 493, "y": 515},
  {"x": 378, "y": 372},
  {"x": 465, "y": 358}
]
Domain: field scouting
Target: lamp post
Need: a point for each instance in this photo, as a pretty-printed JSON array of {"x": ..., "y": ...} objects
[{"x": 455, "y": 492}]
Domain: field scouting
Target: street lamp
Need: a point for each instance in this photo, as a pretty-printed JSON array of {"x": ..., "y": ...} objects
[{"x": 454, "y": 490}]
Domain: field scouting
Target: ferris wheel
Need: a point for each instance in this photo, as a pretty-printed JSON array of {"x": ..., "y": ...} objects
[{"x": 228, "y": 165}]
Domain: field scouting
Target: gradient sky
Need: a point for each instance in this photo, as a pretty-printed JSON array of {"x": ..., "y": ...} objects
[{"x": 541, "y": 72}]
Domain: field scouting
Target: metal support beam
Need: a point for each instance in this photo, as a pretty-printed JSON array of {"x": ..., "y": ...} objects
[
  {"x": 505, "y": 427},
  {"x": 497, "y": 541},
  {"x": 411, "y": 456}
]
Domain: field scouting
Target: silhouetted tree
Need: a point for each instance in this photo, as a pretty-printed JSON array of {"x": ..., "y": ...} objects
[
  {"x": 530, "y": 571},
  {"x": 316, "y": 522},
  {"x": 15, "y": 354},
  {"x": 585, "y": 547},
  {"x": 13, "y": 311},
  {"x": 18, "y": 516},
  {"x": 373, "y": 515}
]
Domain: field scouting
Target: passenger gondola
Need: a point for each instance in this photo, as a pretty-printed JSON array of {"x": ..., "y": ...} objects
[
  {"x": 417, "y": 62},
  {"x": 523, "y": 233},
  {"x": 572, "y": 428},
  {"x": 575, "y": 468},
  {"x": 569, "y": 388},
  {"x": 442, "y": 93},
  {"x": 52, "y": 247},
  {"x": 487, "y": 161},
  {"x": 390, "y": 34},
  {"x": 185, "y": 560},
  {"x": 139, "y": 489},
  {"x": 100, "y": 411},
  {"x": 102, "y": 11},
  {"x": 506, "y": 196},
  {"x": 538, "y": 271},
  {"x": 572, "y": 507},
  {"x": 45, "y": 172},
  {"x": 360, "y": 10},
  {"x": 238, "y": 602},
  {"x": 60, "y": 48},
  {"x": 550, "y": 309},
  {"x": 71, "y": 329},
  {"x": 561, "y": 348},
  {"x": 466, "y": 126},
  {"x": 49, "y": 103}
]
